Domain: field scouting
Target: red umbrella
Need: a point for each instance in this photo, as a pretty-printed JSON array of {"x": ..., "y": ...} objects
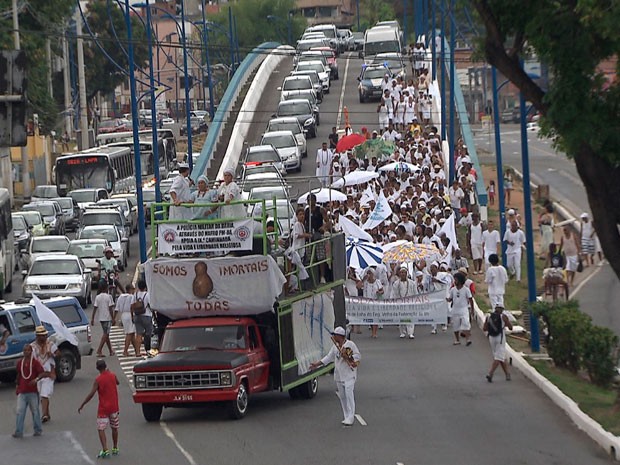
[{"x": 350, "y": 141}]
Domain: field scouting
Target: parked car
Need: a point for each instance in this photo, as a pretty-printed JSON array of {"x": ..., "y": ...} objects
[
  {"x": 71, "y": 211},
  {"x": 287, "y": 147},
  {"x": 290, "y": 124},
  {"x": 113, "y": 235},
  {"x": 112, "y": 125},
  {"x": 52, "y": 214},
  {"x": 44, "y": 192},
  {"x": 46, "y": 245},
  {"x": 369, "y": 86},
  {"x": 21, "y": 320},
  {"x": 58, "y": 275},
  {"x": 262, "y": 154},
  {"x": 300, "y": 109},
  {"x": 90, "y": 251},
  {"x": 197, "y": 124},
  {"x": 35, "y": 221},
  {"x": 87, "y": 196}
]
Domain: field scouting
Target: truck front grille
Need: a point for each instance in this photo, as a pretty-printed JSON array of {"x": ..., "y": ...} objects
[
  {"x": 180, "y": 380},
  {"x": 52, "y": 287}
]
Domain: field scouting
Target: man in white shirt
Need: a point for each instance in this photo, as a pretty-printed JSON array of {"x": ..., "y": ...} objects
[
  {"x": 456, "y": 196},
  {"x": 346, "y": 357},
  {"x": 408, "y": 225},
  {"x": 180, "y": 193},
  {"x": 404, "y": 287},
  {"x": 496, "y": 278},
  {"x": 474, "y": 239},
  {"x": 490, "y": 242},
  {"x": 515, "y": 241},
  {"x": 323, "y": 164},
  {"x": 391, "y": 134}
]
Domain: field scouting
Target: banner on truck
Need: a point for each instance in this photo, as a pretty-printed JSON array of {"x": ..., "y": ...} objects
[
  {"x": 313, "y": 323},
  {"x": 184, "y": 238},
  {"x": 424, "y": 309},
  {"x": 185, "y": 288}
]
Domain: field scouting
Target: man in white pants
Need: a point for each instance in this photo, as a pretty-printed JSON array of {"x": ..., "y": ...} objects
[
  {"x": 324, "y": 158},
  {"x": 345, "y": 372},
  {"x": 404, "y": 287},
  {"x": 515, "y": 241}
]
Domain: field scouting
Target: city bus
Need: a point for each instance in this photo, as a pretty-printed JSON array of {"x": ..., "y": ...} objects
[
  {"x": 7, "y": 243},
  {"x": 147, "y": 162},
  {"x": 169, "y": 141},
  {"x": 110, "y": 168}
]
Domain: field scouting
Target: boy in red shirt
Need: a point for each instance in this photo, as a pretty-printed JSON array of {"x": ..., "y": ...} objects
[
  {"x": 29, "y": 372},
  {"x": 107, "y": 412}
]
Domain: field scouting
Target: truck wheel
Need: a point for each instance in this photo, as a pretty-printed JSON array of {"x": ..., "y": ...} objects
[
  {"x": 294, "y": 393},
  {"x": 239, "y": 407},
  {"x": 309, "y": 389},
  {"x": 152, "y": 412},
  {"x": 65, "y": 370},
  {"x": 9, "y": 377}
]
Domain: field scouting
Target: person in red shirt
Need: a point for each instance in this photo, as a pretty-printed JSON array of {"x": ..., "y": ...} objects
[
  {"x": 107, "y": 412},
  {"x": 29, "y": 372}
]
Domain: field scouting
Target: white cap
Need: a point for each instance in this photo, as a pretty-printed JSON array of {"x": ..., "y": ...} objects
[
  {"x": 229, "y": 171},
  {"x": 339, "y": 331},
  {"x": 584, "y": 215},
  {"x": 511, "y": 211},
  {"x": 183, "y": 166}
]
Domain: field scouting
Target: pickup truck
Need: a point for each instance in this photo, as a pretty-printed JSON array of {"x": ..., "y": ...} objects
[{"x": 21, "y": 319}]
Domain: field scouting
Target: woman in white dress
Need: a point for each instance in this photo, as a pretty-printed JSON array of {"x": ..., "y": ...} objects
[
  {"x": 123, "y": 306},
  {"x": 462, "y": 304},
  {"x": 229, "y": 191},
  {"x": 203, "y": 196}
]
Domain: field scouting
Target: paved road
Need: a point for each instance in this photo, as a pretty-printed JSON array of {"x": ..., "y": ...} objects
[
  {"x": 600, "y": 296},
  {"x": 420, "y": 402}
]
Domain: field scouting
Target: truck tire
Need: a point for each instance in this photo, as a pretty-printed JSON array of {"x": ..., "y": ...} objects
[
  {"x": 309, "y": 389},
  {"x": 294, "y": 393},
  {"x": 238, "y": 408},
  {"x": 152, "y": 412},
  {"x": 9, "y": 377},
  {"x": 66, "y": 366}
]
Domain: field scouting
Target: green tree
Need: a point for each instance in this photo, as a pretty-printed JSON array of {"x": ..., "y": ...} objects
[
  {"x": 580, "y": 107},
  {"x": 372, "y": 11}
]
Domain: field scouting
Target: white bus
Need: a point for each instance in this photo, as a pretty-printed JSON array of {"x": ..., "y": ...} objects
[
  {"x": 169, "y": 141},
  {"x": 7, "y": 243},
  {"x": 147, "y": 161}
]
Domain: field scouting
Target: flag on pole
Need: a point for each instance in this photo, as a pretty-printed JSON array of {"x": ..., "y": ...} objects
[
  {"x": 450, "y": 232},
  {"x": 350, "y": 229},
  {"x": 379, "y": 214},
  {"x": 49, "y": 317}
]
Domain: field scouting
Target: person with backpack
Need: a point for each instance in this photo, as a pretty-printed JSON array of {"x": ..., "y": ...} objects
[
  {"x": 494, "y": 327},
  {"x": 142, "y": 316}
]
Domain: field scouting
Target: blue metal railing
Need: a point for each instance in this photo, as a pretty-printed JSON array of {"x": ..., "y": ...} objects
[{"x": 226, "y": 104}]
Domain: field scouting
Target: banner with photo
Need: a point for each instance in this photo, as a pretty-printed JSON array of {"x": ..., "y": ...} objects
[
  {"x": 313, "y": 322},
  {"x": 424, "y": 309},
  {"x": 185, "y": 288},
  {"x": 189, "y": 238}
]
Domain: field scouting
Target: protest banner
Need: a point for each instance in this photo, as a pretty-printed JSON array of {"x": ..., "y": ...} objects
[{"x": 190, "y": 238}]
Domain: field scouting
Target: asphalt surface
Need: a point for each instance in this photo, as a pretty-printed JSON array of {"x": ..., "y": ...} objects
[{"x": 421, "y": 401}]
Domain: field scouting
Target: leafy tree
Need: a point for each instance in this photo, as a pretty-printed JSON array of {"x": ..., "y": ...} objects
[
  {"x": 580, "y": 107},
  {"x": 372, "y": 11},
  {"x": 107, "y": 21}
]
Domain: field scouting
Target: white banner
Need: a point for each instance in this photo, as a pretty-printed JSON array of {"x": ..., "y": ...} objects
[
  {"x": 431, "y": 308},
  {"x": 313, "y": 322},
  {"x": 189, "y": 238},
  {"x": 184, "y": 288}
]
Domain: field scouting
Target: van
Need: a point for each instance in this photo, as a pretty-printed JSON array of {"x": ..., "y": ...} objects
[
  {"x": 381, "y": 39},
  {"x": 330, "y": 32}
]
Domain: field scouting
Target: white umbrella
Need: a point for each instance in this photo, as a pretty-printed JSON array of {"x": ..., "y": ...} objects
[
  {"x": 354, "y": 178},
  {"x": 400, "y": 166},
  {"x": 362, "y": 254},
  {"x": 323, "y": 195}
]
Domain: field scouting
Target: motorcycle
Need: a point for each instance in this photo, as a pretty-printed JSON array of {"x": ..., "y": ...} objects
[{"x": 110, "y": 278}]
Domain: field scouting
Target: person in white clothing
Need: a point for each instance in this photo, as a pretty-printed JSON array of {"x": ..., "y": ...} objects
[
  {"x": 404, "y": 287},
  {"x": 299, "y": 234},
  {"x": 372, "y": 289},
  {"x": 496, "y": 278},
  {"x": 515, "y": 241},
  {"x": 180, "y": 193},
  {"x": 324, "y": 164},
  {"x": 474, "y": 240},
  {"x": 103, "y": 309},
  {"x": 462, "y": 304},
  {"x": 123, "y": 307},
  {"x": 494, "y": 326},
  {"x": 228, "y": 192},
  {"x": 490, "y": 242},
  {"x": 346, "y": 357}
]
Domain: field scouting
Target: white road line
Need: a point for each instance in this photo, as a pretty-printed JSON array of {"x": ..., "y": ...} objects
[
  {"x": 361, "y": 420},
  {"x": 400, "y": 463},
  {"x": 344, "y": 86},
  {"x": 585, "y": 281},
  {"x": 78, "y": 447},
  {"x": 170, "y": 434}
]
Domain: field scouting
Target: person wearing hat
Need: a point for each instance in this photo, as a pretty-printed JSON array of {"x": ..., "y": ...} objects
[
  {"x": 346, "y": 357},
  {"x": 494, "y": 326},
  {"x": 29, "y": 373},
  {"x": 180, "y": 193},
  {"x": 105, "y": 386},
  {"x": 45, "y": 352},
  {"x": 401, "y": 288},
  {"x": 109, "y": 264},
  {"x": 204, "y": 195},
  {"x": 228, "y": 192}
]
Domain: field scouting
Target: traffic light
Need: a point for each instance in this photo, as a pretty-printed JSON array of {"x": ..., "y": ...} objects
[{"x": 13, "y": 103}]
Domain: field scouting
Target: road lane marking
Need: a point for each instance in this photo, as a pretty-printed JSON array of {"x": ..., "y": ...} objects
[
  {"x": 78, "y": 447},
  {"x": 585, "y": 281},
  {"x": 178, "y": 445},
  {"x": 344, "y": 86},
  {"x": 361, "y": 420}
]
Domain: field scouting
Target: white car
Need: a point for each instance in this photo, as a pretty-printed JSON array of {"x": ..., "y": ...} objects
[
  {"x": 129, "y": 209},
  {"x": 286, "y": 145},
  {"x": 112, "y": 234},
  {"x": 46, "y": 245},
  {"x": 58, "y": 275},
  {"x": 533, "y": 126},
  {"x": 294, "y": 83},
  {"x": 253, "y": 180},
  {"x": 290, "y": 124},
  {"x": 320, "y": 68},
  {"x": 260, "y": 154},
  {"x": 267, "y": 193},
  {"x": 89, "y": 251}
]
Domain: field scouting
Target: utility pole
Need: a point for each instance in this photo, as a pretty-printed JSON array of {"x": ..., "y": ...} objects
[
  {"x": 24, "y": 150},
  {"x": 66, "y": 84},
  {"x": 48, "y": 55},
  {"x": 81, "y": 81}
]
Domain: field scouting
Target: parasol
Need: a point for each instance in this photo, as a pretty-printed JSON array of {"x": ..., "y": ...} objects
[
  {"x": 348, "y": 142},
  {"x": 354, "y": 178},
  {"x": 410, "y": 252},
  {"x": 362, "y": 254},
  {"x": 374, "y": 148},
  {"x": 323, "y": 195}
]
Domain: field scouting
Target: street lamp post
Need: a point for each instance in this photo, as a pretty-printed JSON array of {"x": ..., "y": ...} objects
[
  {"x": 187, "y": 101},
  {"x": 443, "y": 69},
  {"x": 452, "y": 86},
  {"x": 205, "y": 40},
  {"x": 499, "y": 163},
  {"x": 231, "y": 38}
]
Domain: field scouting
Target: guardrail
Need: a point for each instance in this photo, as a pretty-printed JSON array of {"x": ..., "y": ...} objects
[{"x": 247, "y": 66}]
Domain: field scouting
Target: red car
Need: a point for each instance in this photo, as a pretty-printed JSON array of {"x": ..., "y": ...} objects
[{"x": 112, "y": 125}]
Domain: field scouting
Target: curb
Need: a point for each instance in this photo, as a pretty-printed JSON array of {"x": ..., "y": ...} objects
[{"x": 606, "y": 440}]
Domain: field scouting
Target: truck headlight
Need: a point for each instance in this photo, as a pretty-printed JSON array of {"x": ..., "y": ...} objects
[
  {"x": 309, "y": 122},
  {"x": 226, "y": 378},
  {"x": 74, "y": 286},
  {"x": 31, "y": 287},
  {"x": 139, "y": 381}
]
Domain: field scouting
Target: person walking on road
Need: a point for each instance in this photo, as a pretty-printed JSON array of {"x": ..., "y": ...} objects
[
  {"x": 401, "y": 288},
  {"x": 44, "y": 351},
  {"x": 570, "y": 246},
  {"x": 491, "y": 242},
  {"x": 142, "y": 316},
  {"x": 323, "y": 164},
  {"x": 496, "y": 278},
  {"x": 103, "y": 307},
  {"x": 105, "y": 386},
  {"x": 462, "y": 303},
  {"x": 588, "y": 242},
  {"x": 494, "y": 326},
  {"x": 515, "y": 241},
  {"x": 123, "y": 306},
  {"x": 475, "y": 242},
  {"x": 346, "y": 357},
  {"x": 29, "y": 373}
]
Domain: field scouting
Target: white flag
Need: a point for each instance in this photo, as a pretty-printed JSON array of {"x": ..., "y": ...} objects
[
  {"x": 350, "y": 229},
  {"x": 450, "y": 232},
  {"x": 379, "y": 214},
  {"x": 49, "y": 317}
]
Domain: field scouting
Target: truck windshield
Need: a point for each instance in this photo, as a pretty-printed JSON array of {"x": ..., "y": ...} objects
[{"x": 209, "y": 337}]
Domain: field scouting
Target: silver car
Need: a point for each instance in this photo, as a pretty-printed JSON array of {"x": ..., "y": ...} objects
[
  {"x": 90, "y": 251},
  {"x": 261, "y": 154},
  {"x": 290, "y": 124},
  {"x": 59, "y": 275},
  {"x": 286, "y": 145},
  {"x": 46, "y": 245},
  {"x": 113, "y": 235},
  {"x": 129, "y": 209}
]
